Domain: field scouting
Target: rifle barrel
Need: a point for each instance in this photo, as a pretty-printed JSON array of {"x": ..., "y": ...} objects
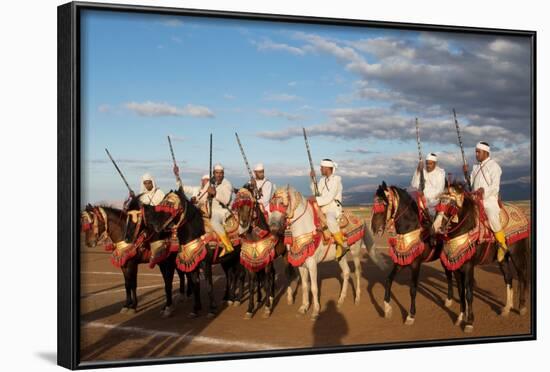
[{"x": 119, "y": 171}]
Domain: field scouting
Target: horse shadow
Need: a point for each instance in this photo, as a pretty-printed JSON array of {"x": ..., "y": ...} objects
[{"x": 331, "y": 327}]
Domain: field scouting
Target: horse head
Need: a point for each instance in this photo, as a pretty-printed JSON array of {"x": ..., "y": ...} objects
[
  {"x": 88, "y": 225},
  {"x": 449, "y": 208},
  {"x": 245, "y": 206},
  {"x": 381, "y": 208}
]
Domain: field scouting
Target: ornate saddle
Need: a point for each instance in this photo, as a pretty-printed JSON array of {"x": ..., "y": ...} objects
[
  {"x": 351, "y": 226},
  {"x": 231, "y": 227}
]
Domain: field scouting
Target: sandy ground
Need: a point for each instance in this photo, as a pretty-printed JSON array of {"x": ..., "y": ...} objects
[{"x": 108, "y": 335}]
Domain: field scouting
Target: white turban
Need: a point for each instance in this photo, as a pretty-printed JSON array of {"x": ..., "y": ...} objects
[
  {"x": 205, "y": 177},
  {"x": 431, "y": 157},
  {"x": 483, "y": 146},
  {"x": 218, "y": 167},
  {"x": 259, "y": 167},
  {"x": 328, "y": 163},
  {"x": 147, "y": 177}
]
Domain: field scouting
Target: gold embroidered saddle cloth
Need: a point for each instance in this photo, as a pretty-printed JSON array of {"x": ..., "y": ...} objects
[
  {"x": 256, "y": 255},
  {"x": 351, "y": 226},
  {"x": 231, "y": 227}
]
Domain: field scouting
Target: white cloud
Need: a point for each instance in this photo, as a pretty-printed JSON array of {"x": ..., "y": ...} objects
[
  {"x": 150, "y": 108},
  {"x": 283, "y": 97},
  {"x": 281, "y": 114},
  {"x": 267, "y": 45},
  {"x": 172, "y": 22}
]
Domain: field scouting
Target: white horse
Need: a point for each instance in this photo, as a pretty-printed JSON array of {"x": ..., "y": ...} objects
[{"x": 289, "y": 209}]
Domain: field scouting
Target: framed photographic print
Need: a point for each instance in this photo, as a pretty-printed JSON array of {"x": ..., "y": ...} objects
[{"x": 237, "y": 185}]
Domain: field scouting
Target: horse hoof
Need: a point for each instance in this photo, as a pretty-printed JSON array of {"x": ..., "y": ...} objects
[
  {"x": 237, "y": 303},
  {"x": 266, "y": 314},
  {"x": 409, "y": 321},
  {"x": 229, "y": 302},
  {"x": 388, "y": 311},
  {"x": 290, "y": 301},
  {"x": 192, "y": 315},
  {"x": 523, "y": 311},
  {"x": 131, "y": 311},
  {"x": 211, "y": 315},
  {"x": 124, "y": 310},
  {"x": 248, "y": 316},
  {"x": 357, "y": 301},
  {"x": 458, "y": 322},
  {"x": 469, "y": 328},
  {"x": 314, "y": 316},
  {"x": 448, "y": 302},
  {"x": 302, "y": 310},
  {"x": 505, "y": 312}
]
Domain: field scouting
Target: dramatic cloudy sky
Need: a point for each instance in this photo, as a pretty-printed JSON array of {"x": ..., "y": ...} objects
[{"x": 355, "y": 90}]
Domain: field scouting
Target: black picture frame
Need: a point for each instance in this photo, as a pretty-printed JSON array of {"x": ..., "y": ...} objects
[{"x": 68, "y": 278}]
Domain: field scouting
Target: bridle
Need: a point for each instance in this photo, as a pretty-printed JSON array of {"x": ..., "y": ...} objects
[
  {"x": 282, "y": 202},
  {"x": 449, "y": 210},
  {"x": 390, "y": 207}
]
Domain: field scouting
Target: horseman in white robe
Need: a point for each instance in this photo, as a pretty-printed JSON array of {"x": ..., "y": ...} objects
[
  {"x": 221, "y": 192},
  {"x": 150, "y": 194},
  {"x": 265, "y": 186},
  {"x": 485, "y": 177},
  {"x": 198, "y": 195},
  {"x": 330, "y": 201},
  {"x": 434, "y": 178}
]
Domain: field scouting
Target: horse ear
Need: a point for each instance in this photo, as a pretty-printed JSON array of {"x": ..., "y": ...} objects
[{"x": 384, "y": 186}]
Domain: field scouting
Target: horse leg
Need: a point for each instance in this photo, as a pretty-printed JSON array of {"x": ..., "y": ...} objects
[
  {"x": 194, "y": 277},
  {"x": 387, "y": 295},
  {"x": 469, "y": 287},
  {"x": 209, "y": 288},
  {"x": 357, "y": 267},
  {"x": 128, "y": 288},
  {"x": 289, "y": 270},
  {"x": 519, "y": 260},
  {"x": 269, "y": 289},
  {"x": 228, "y": 278},
  {"x": 459, "y": 277},
  {"x": 133, "y": 271},
  {"x": 344, "y": 266},
  {"x": 415, "y": 275},
  {"x": 259, "y": 280},
  {"x": 312, "y": 264},
  {"x": 167, "y": 268},
  {"x": 304, "y": 275},
  {"x": 181, "y": 294},
  {"x": 449, "y": 299},
  {"x": 506, "y": 271},
  {"x": 241, "y": 279},
  {"x": 251, "y": 289}
]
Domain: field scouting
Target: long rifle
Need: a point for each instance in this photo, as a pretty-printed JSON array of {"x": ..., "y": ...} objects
[
  {"x": 256, "y": 191},
  {"x": 211, "y": 180},
  {"x": 119, "y": 172},
  {"x": 462, "y": 151},
  {"x": 314, "y": 178},
  {"x": 174, "y": 160},
  {"x": 422, "y": 178}
]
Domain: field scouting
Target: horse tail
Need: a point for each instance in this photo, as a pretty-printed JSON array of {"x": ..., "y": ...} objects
[{"x": 368, "y": 240}]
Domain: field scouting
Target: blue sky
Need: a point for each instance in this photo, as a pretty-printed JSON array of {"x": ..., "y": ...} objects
[{"x": 356, "y": 90}]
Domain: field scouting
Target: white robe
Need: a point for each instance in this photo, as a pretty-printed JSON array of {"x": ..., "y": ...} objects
[
  {"x": 224, "y": 192},
  {"x": 153, "y": 197},
  {"x": 266, "y": 187},
  {"x": 198, "y": 192},
  {"x": 487, "y": 175},
  {"x": 330, "y": 199},
  {"x": 433, "y": 187}
]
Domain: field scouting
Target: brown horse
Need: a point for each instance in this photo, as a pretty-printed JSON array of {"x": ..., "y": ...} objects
[
  {"x": 412, "y": 245},
  {"x": 105, "y": 226},
  {"x": 258, "y": 251},
  {"x": 460, "y": 220}
]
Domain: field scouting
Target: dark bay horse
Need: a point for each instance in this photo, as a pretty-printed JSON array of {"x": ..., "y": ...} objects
[
  {"x": 257, "y": 238},
  {"x": 105, "y": 225},
  {"x": 395, "y": 205},
  {"x": 458, "y": 218},
  {"x": 190, "y": 231}
]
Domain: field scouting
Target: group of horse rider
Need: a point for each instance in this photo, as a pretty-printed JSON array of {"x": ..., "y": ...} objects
[{"x": 484, "y": 178}]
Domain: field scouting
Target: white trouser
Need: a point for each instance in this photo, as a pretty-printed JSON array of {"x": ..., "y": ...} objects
[
  {"x": 333, "y": 214},
  {"x": 219, "y": 215},
  {"x": 431, "y": 204},
  {"x": 492, "y": 210}
]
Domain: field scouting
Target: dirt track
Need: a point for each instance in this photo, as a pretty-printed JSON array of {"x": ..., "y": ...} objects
[{"x": 108, "y": 335}]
